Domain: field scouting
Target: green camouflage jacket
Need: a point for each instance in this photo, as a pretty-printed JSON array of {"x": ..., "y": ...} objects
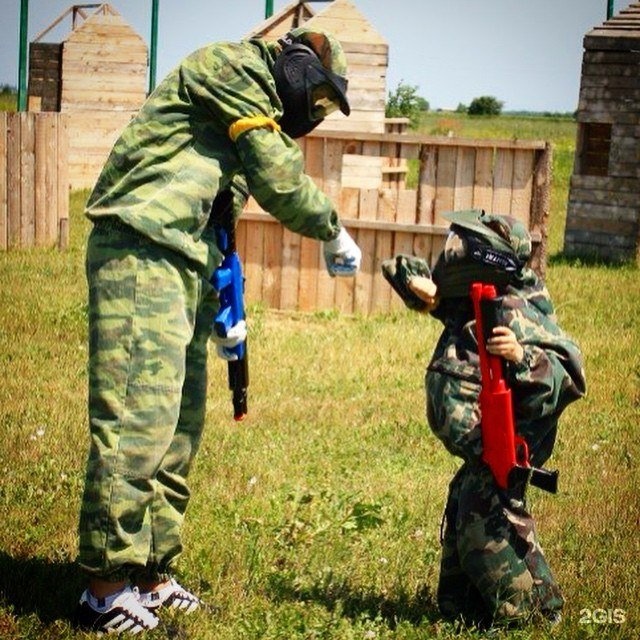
[
  {"x": 550, "y": 377},
  {"x": 177, "y": 153}
]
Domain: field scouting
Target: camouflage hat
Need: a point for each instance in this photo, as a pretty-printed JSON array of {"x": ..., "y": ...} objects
[
  {"x": 502, "y": 233},
  {"x": 326, "y": 46}
]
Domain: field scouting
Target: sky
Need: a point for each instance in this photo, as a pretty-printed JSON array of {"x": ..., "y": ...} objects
[{"x": 525, "y": 53}]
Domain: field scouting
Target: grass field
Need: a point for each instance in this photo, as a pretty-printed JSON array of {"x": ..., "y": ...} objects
[{"x": 318, "y": 517}]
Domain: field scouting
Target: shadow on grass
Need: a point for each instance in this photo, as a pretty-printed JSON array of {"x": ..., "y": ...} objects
[
  {"x": 47, "y": 588},
  {"x": 588, "y": 260},
  {"x": 355, "y": 603}
]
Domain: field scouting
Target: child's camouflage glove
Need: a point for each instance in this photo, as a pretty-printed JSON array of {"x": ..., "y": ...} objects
[{"x": 398, "y": 272}]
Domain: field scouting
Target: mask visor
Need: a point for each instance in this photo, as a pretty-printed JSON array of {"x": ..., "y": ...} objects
[{"x": 327, "y": 92}]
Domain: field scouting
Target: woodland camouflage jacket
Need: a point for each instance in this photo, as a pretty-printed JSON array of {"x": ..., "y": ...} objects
[
  {"x": 178, "y": 152},
  {"x": 550, "y": 377}
]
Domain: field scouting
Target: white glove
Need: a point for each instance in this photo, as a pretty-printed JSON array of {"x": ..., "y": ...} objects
[
  {"x": 342, "y": 255},
  {"x": 235, "y": 336}
]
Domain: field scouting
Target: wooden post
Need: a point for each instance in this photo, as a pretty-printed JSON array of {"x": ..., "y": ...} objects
[
  {"x": 4, "y": 224},
  {"x": 540, "y": 202}
]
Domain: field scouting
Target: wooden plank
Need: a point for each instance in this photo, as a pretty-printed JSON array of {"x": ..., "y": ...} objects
[
  {"x": 522, "y": 186},
  {"x": 80, "y": 84},
  {"x": 121, "y": 41},
  {"x": 349, "y": 208},
  {"x": 427, "y": 184},
  {"x": 272, "y": 265},
  {"x": 603, "y": 225},
  {"x": 368, "y": 224},
  {"x": 368, "y": 48},
  {"x": 332, "y": 171},
  {"x": 614, "y": 108},
  {"x": 60, "y": 129},
  {"x": 90, "y": 52},
  {"x": 611, "y": 57},
  {"x": 483, "y": 180},
  {"x": 381, "y": 292},
  {"x": 290, "y": 274},
  {"x": 612, "y": 82},
  {"x": 465, "y": 177},
  {"x": 445, "y": 182},
  {"x": 605, "y": 93},
  {"x": 596, "y": 239},
  {"x": 440, "y": 141},
  {"x": 105, "y": 67},
  {"x": 366, "y": 238},
  {"x": 612, "y": 41},
  {"x": 612, "y": 211},
  {"x": 366, "y": 59},
  {"x": 254, "y": 260},
  {"x": 502, "y": 181},
  {"x": 79, "y": 99},
  {"x": 609, "y": 70},
  {"x": 309, "y": 261},
  {"x": 347, "y": 128},
  {"x": 13, "y": 181},
  {"x": 403, "y": 242},
  {"x": 309, "y": 248},
  {"x": 363, "y": 172},
  {"x": 4, "y": 223},
  {"x": 27, "y": 179},
  {"x": 604, "y": 197},
  {"x": 41, "y": 200}
]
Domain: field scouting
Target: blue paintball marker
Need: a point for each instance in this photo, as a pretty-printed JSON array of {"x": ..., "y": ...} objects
[{"x": 228, "y": 281}]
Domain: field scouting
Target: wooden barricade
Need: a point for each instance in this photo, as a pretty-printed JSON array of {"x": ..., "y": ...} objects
[
  {"x": 286, "y": 271},
  {"x": 34, "y": 182}
]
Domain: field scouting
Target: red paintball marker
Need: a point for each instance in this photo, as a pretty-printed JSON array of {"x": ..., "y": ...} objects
[{"x": 503, "y": 450}]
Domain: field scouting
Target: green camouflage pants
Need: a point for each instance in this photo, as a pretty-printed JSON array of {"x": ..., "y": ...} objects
[
  {"x": 493, "y": 568},
  {"x": 150, "y": 315}
]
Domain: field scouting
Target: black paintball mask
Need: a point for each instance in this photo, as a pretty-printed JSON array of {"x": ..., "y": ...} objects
[
  {"x": 469, "y": 258},
  {"x": 309, "y": 92}
]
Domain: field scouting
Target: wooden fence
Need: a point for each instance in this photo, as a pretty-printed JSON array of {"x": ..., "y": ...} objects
[
  {"x": 286, "y": 271},
  {"x": 34, "y": 182},
  {"x": 365, "y": 175}
]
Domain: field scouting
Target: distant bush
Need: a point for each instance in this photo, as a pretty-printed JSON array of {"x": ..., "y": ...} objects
[
  {"x": 405, "y": 102},
  {"x": 485, "y": 106}
]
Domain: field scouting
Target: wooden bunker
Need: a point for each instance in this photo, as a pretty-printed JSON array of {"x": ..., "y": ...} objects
[
  {"x": 97, "y": 75},
  {"x": 603, "y": 216}
]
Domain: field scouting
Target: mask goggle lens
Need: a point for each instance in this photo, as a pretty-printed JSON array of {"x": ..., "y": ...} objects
[
  {"x": 324, "y": 100},
  {"x": 455, "y": 247}
]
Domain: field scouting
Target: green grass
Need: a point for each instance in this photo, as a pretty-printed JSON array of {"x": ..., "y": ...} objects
[{"x": 318, "y": 517}]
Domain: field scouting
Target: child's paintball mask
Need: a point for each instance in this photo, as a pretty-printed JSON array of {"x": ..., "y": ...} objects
[{"x": 481, "y": 248}]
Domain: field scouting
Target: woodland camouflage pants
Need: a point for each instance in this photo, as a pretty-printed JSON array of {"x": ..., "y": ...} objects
[
  {"x": 493, "y": 568},
  {"x": 149, "y": 322}
]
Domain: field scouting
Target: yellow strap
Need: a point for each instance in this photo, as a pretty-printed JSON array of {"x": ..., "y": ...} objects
[{"x": 252, "y": 122}]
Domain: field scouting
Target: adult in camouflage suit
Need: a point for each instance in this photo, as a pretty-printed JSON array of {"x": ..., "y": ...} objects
[
  {"x": 221, "y": 123},
  {"x": 492, "y": 568}
]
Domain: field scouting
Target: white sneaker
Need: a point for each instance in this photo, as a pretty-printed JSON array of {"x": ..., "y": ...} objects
[
  {"x": 172, "y": 596},
  {"x": 122, "y": 614}
]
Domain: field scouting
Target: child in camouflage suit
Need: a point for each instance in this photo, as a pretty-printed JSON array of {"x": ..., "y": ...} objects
[
  {"x": 221, "y": 123},
  {"x": 492, "y": 568}
]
